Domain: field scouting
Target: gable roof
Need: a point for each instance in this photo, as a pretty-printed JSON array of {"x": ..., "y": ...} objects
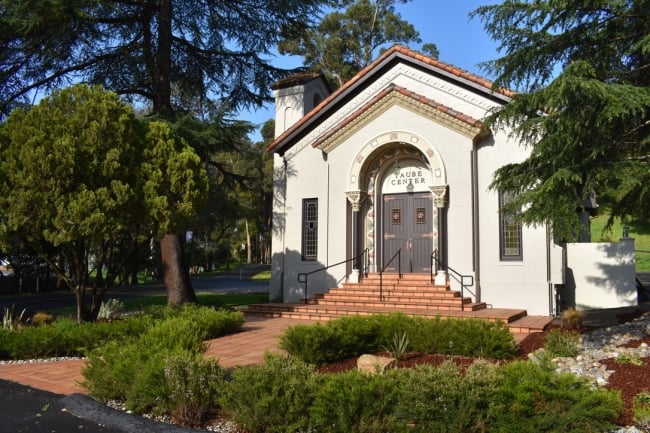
[
  {"x": 392, "y": 56},
  {"x": 395, "y": 94}
]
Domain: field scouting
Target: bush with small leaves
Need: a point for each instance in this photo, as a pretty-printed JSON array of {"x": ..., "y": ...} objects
[
  {"x": 532, "y": 399},
  {"x": 195, "y": 385},
  {"x": 443, "y": 399},
  {"x": 353, "y": 336},
  {"x": 354, "y": 402},
  {"x": 627, "y": 358},
  {"x": 133, "y": 370},
  {"x": 270, "y": 398},
  {"x": 561, "y": 343},
  {"x": 641, "y": 410}
]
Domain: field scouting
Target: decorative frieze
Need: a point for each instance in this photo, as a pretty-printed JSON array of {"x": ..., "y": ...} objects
[{"x": 392, "y": 76}]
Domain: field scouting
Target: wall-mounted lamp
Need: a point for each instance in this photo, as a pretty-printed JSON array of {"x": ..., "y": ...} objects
[{"x": 410, "y": 187}]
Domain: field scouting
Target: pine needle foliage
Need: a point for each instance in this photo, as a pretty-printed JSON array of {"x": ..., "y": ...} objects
[{"x": 581, "y": 71}]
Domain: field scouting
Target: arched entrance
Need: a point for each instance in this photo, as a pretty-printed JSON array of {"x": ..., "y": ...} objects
[
  {"x": 407, "y": 217},
  {"x": 396, "y": 189}
]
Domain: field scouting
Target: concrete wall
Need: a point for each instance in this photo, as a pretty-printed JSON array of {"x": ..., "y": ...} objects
[{"x": 601, "y": 275}]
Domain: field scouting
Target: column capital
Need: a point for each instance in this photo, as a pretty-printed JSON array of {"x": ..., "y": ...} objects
[
  {"x": 356, "y": 198},
  {"x": 440, "y": 197}
]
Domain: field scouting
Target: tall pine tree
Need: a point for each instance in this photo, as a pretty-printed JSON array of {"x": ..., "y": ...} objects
[
  {"x": 582, "y": 72},
  {"x": 158, "y": 52}
]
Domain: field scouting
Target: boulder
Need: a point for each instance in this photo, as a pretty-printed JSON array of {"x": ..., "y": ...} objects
[{"x": 372, "y": 364}]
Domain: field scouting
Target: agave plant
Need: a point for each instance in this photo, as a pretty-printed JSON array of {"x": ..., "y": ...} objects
[{"x": 11, "y": 320}]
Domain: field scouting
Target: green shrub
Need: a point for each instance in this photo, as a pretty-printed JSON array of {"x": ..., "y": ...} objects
[
  {"x": 132, "y": 373},
  {"x": 561, "y": 343},
  {"x": 641, "y": 410},
  {"x": 353, "y": 336},
  {"x": 335, "y": 340},
  {"x": 274, "y": 397},
  {"x": 627, "y": 358},
  {"x": 133, "y": 370},
  {"x": 65, "y": 337},
  {"x": 195, "y": 386},
  {"x": 465, "y": 337},
  {"x": 534, "y": 399},
  {"x": 353, "y": 402},
  {"x": 442, "y": 399}
]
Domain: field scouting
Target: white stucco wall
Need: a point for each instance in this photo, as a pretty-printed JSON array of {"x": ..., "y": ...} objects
[
  {"x": 510, "y": 284},
  {"x": 602, "y": 275},
  {"x": 523, "y": 284}
]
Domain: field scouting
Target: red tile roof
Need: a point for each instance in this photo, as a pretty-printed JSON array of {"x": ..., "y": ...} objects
[{"x": 396, "y": 50}]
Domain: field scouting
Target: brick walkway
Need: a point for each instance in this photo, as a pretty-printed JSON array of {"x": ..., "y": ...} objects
[{"x": 247, "y": 347}]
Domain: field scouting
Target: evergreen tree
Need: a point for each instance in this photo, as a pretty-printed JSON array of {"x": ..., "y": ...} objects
[
  {"x": 79, "y": 174},
  {"x": 161, "y": 53},
  {"x": 347, "y": 39},
  {"x": 582, "y": 73}
]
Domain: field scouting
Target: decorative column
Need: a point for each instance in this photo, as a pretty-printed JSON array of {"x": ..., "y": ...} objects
[
  {"x": 356, "y": 199},
  {"x": 440, "y": 201}
]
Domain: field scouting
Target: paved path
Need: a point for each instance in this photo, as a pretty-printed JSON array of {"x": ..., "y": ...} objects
[{"x": 258, "y": 335}]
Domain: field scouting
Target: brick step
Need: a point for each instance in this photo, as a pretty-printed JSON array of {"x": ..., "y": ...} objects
[
  {"x": 367, "y": 285},
  {"x": 530, "y": 324},
  {"x": 401, "y": 306},
  {"x": 370, "y": 292},
  {"x": 323, "y": 313},
  {"x": 392, "y": 278},
  {"x": 397, "y": 297}
]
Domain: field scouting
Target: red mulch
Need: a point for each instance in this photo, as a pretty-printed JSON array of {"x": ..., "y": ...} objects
[{"x": 629, "y": 379}]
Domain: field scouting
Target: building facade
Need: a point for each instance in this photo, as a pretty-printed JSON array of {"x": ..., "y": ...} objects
[{"x": 394, "y": 168}]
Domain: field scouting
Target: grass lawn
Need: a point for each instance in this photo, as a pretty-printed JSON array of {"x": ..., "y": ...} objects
[
  {"x": 226, "y": 300},
  {"x": 639, "y": 231}
]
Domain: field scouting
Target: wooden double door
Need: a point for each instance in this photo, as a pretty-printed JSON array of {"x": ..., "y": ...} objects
[{"x": 407, "y": 225}]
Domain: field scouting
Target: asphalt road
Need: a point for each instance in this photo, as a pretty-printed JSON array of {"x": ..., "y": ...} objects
[
  {"x": 28, "y": 410},
  {"x": 236, "y": 281}
]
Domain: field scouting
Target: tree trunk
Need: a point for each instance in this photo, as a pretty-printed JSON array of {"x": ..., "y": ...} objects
[
  {"x": 249, "y": 250},
  {"x": 175, "y": 272},
  {"x": 79, "y": 294}
]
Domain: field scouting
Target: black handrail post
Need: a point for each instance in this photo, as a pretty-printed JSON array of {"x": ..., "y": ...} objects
[
  {"x": 435, "y": 263},
  {"x": 302, "y": 277},
  {"x": 381, "y": 272},
  {"x": 399, "y": 263},
  {"x": 462, "y": 293}
]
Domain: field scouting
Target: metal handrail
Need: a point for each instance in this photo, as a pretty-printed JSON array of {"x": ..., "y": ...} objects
[
  {"x": 435, "y": 262},
  {"x": 303, "y": 277},
  {"x": 381, "y": 273}
]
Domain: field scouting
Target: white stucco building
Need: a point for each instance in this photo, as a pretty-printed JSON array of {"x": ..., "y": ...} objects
[{"x": 398, "y": 160}]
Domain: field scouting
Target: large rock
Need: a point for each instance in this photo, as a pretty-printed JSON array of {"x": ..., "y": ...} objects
[{"x": 371, "y": 364}]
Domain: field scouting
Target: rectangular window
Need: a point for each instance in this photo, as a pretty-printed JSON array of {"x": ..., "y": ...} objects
[
  {"x": 420, "y": 215},
  {"x": 309, "y": 228},
  {"x": 509, "y": 231},
  {"x": 396, "y": 216}
]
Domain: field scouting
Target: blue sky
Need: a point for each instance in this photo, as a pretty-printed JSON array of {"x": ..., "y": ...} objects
[{"x": 461, "y": 42}]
